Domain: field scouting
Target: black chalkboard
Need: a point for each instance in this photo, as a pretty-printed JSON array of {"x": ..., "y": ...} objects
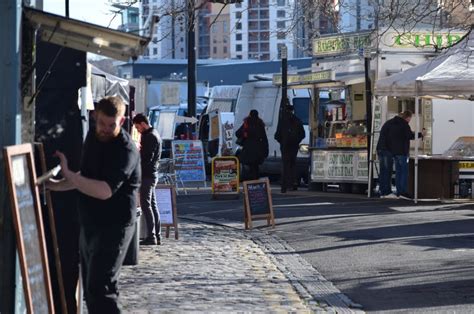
[
  {"x": 21, "y": 178},
  {"x": 258, "y": 202}
]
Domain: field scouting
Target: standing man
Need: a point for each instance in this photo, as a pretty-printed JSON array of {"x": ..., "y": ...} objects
[
  {"x": 108, "y": 184},
  {"x": 290, "y": 133},
  {"x": 385, "y": 162},
  {"x": 150, "y": 153},
  {"x": 398, "y": 139}
]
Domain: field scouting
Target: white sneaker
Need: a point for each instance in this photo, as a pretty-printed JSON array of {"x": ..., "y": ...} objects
[{"x": 389, "y": 196}]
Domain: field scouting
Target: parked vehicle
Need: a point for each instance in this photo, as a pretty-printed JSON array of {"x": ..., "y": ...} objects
[
  {"x": 216, "y": 123},
  {"x": 265, "y": 97}
]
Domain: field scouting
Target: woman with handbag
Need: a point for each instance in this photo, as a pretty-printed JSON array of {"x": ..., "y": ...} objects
[{"x": 253, "y": 139}]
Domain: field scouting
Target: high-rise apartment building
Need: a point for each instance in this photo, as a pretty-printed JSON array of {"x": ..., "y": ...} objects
[
  {"x": 258, "y": 29},
  {"x": 219, "y": 31},
  {"x": 169, "y": 33},
  {"x": 129, "y": 16}
]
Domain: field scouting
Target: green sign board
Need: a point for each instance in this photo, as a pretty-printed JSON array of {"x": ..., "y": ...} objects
[
  {"x": 301, "y": 79},
  {"x": 340, "y": 44}
]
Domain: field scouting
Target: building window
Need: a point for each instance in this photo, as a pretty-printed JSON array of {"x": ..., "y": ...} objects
[
  {"x": 238, "y": 56},
  {"x": 281, "y": 24},
  {"x": 238, "y": 15},
  {"x": 238, "y": 5},
  {"x": 238, "y": 25},
  {"x": 281, "y": 35},
  {"x": 155, "y": 51},
  {"x": 224, "y": 26},
  {"x": 238, "y": 47},
  {"x": 281, "y": 13},
  {"x": 281, "y": 3},
  {"x": 238, "y": 36},
  {"x": 225, "y": 49},
  {"x": 214, "y": 50}
]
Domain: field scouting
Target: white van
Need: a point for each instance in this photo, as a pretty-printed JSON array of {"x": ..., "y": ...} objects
[
  {"x": 220, "y": 110},
  {"x": 265, "y": 97}
]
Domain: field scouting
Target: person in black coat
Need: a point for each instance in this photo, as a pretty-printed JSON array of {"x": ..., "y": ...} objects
[
  {"x": 398, "y": 137},
  {"x": 290, "y": 132},
  {"x": 150, "y": 153},
  {"x": 254, "y": 142}
]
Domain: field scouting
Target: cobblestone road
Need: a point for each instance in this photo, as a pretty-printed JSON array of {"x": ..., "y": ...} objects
[{"x": 209, "y": 269}]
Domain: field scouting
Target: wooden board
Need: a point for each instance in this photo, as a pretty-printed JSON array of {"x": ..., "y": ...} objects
[
  {"x": 258, "y": 202},
  {"x": 166, "y": 202},
  {"x": 28, "y": 223},
  {"x": 39, "y": 148}
]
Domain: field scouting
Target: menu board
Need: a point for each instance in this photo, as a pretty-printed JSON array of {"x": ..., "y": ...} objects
[
  {"x": 166, "y": 202},
  {"x": 258, "y": 202},
  {"x": 21, "y": 178},
  {"x": 189, "y": 161},
  {"x": 225, "y": 176}
]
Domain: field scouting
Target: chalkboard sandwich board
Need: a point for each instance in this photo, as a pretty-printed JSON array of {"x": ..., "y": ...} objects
[
  {"x": 166, "y": 202},
  {"x": 28, "y": 222},
  {"x": 258, "y": 202}
]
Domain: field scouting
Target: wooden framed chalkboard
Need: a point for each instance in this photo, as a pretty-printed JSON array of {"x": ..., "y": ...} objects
[
  {"x": 56, "y": 271},
  {"x": 166, "y": 202},
  {"x": 258, "y": 202},
  {"x": 28, "y": 221}
]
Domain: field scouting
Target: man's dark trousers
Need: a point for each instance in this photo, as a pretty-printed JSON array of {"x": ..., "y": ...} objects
[
  {"x": 103, "y": 250},
  {"x": 385, "y": 177},
  {"x": 149, "y": 208},
  {"x": 288, "y": 157}
]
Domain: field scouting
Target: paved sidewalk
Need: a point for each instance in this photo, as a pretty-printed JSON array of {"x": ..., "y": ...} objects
[{"x": 213, "y": 268}]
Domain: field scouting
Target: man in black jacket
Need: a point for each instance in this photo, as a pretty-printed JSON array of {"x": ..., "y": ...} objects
[
  {"x": 150, "y": 153},
  {"x": 290, "y": 132},
  {"x": 398, "y": 137},
  {"x": 108, "y": 182}
]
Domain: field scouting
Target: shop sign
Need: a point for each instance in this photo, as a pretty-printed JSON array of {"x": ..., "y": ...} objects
[
  {"x": 339, "y": 166},
  {"x": 301, "y": 79},
  {"x": 340, "y": 44},
  {"x": 424, "y": 39},
  {"x": 466, "y": 166}
]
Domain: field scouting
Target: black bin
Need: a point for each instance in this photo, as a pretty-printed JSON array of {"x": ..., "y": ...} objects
[{"x": 131, "y": 258}]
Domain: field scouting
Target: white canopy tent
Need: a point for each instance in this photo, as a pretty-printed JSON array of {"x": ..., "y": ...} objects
[{"x": 450, "y": 74}]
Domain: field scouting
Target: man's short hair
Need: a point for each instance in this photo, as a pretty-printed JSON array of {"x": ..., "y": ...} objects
[
  {"x": 406, "y": 114},
  {"x": 139, "y": 118},
  {"x": 111, "y": 106}
]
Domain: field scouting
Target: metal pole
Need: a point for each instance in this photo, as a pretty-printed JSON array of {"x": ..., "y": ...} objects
[
  {"x": 284, "y": 75},
  {"x": 10, "y": 134},
  {"x": 191, "y": 63},
  {"x": 368, "y": 108},
  {"x": 67, "y": 8}
]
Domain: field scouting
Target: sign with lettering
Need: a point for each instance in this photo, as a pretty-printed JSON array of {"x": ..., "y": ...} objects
[
  {"x": 419, "y": 39},
  {"x": 339, "y": 166},
  {"x": 189, "y": 160},
  {"x": 225, "y": 176},
  {"x": 28, "y": 222},
  {"x": 339, "y": 44},
  {"x": 313, "y": 77},
  {"x": 169, "y": 94},
  {"x": 227, "y": 133},
  {"x": 166, "y": 202},
  {"x": 258, "y": 202}
]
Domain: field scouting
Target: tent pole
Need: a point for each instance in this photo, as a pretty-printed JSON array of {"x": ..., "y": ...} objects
[{"x": 417, "y": 130}]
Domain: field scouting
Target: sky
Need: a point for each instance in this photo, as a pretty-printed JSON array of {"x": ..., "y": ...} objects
[{"x": 91, "y": 11}]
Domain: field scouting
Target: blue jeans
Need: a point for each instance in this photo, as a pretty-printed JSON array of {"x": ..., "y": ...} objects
[
  {"x": 385, "y": 177},
  {"x": 401, "y": 176}
]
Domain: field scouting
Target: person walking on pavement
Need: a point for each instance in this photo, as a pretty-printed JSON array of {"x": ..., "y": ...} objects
[
  {"x": 108, "y": 183},
  {"x": 150, "y": 153},
  {"x": 398, "y": 136},
  {"x": 290, "y": 133},
  {"x": 253, "y": 138}
]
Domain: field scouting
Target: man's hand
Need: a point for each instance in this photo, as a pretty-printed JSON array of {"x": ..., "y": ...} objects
[{"x": 67, "y": 173}]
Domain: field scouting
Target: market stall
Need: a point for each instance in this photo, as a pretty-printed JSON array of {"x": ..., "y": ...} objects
[{"x": 449, "y": 75}]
